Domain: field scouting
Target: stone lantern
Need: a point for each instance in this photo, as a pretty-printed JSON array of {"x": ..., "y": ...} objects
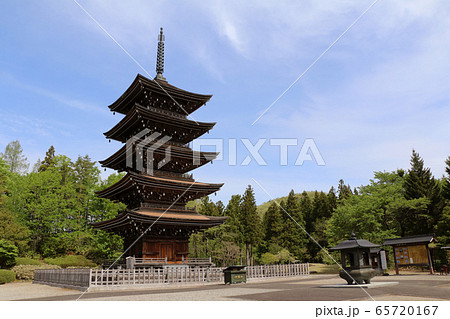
[{"x": 355, "y": 256}]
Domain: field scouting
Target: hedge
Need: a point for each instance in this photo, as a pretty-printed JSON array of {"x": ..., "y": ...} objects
[
  {"x": 27, "y": 261},
  {"x": 26, "y": 272},
  {"x": 6, "y": 276},
  {"x": 71, "y": 261}
]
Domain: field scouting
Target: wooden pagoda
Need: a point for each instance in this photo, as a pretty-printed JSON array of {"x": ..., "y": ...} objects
[{"x": 157, "y": 159}]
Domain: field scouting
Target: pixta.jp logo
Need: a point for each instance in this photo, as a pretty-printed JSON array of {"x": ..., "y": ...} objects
[{"x": 141, "y": 145}]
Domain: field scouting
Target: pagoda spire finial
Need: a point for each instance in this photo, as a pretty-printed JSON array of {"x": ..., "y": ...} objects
[{"x": 160, "y": 57}]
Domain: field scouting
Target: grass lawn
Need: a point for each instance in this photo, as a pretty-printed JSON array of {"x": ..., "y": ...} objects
[{"x": 324, "y": 268}]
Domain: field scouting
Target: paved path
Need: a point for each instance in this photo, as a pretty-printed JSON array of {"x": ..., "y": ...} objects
[{"x": 410, "y": 288}]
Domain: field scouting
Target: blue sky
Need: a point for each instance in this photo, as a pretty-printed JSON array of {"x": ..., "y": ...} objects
[{"x": 376, "y": 94}]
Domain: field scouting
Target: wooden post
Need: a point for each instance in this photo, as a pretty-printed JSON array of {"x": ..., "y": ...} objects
[
  {"x": 395, "y": 260},
  {"x": 430, "y": 261}
]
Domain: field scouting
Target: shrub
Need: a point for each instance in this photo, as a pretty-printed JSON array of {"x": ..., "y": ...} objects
[
  {"x": 27, "y": 261},
  {"x": 26, "y": 272},
  {"x": 269, "y": 259},
  {"x": 70, "y": 261},
  {"x": 6, "y": 276},
  {"x": 8, "y": 253}
]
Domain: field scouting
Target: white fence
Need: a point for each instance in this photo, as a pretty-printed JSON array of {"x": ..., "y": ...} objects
[
  {"x": 84, "y": 278},
  {"x": 152, "y": 275},
  {"x": 267, "y": 271}
]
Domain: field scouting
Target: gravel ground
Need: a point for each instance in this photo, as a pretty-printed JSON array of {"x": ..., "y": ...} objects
[
  {"x": 27, "y": 290},
  {"x": 410, "y": 288}
]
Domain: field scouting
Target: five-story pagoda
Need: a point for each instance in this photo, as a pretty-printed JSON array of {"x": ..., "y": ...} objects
[{"x": 156, "y": 157}]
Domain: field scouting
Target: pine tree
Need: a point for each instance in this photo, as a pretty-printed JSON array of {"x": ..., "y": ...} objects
[
  {"x": 251, "y": 223},
  {"x": 420, "y": 183},
  {"x": 332, "y": 199},
  {"x": 446, "y": 183},
  {"x": 293, "y": 237},
  {"x": 49, "y": 160},
  {"x": 344, "y": 191},
  {"x": 273, "y": 225},
  {"x": 306, "y": 209}
]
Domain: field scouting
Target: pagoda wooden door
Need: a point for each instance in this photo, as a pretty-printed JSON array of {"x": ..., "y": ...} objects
[{"x": 167, "y": 250}]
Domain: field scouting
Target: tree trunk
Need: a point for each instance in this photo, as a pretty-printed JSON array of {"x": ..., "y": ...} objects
[{"x": 247, "y": 254}]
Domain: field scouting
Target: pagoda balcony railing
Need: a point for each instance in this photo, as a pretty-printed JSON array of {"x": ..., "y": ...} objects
[
  {"x": 184, "y": 176},
  {"x": 166, "y": 112},
  {"x": 162, "y": 206},
  {"x": 179, "y": 144}
]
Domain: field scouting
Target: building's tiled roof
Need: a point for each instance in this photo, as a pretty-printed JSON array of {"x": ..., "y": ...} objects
[{"x": 418, "y": 239}]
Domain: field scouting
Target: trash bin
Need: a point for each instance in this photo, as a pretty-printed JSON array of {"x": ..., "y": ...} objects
[{"x": 235, "y": 275}]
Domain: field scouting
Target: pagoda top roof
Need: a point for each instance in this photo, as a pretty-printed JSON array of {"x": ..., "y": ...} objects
[
  {"x": 160, "y": 217},
  {"x": 187, "y": 102},
  {"x": 131, "y": 124}
]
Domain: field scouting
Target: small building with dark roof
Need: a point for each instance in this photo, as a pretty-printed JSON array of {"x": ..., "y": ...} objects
[{"x": 412, "y": 251}]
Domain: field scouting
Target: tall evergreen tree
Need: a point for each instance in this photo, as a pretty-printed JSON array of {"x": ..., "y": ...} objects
[
  {"x": 321, "y": 211},
  {"x": 306, "y": 209},
  {"x": 420, "y": 183},
  {"x": 273, "y": 225},
  {"x": 344, "y": 191},
  {"x": 86, "y": 175},
  {"x": 251, "y": 223},
  {"x": 49, "y": 160},
  {"x": 233, "y": 222},
  {"x": 446, "y": 186},
  {"x": 293, "y": 237},
  {"x": 14, "y": 158},
  {"x": 332, "y": 199}
]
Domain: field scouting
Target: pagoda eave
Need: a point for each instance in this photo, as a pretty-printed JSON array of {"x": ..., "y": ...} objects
[
  {"x": 182, "y": 159},
  {"x": 164, "y": 218},
  {"x": 179, "y": 129},
  {"x": 188, "y": 100},
  {"x": 140, "y": 183}
]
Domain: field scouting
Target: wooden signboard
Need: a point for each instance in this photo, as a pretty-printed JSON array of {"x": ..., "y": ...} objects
[{"x": 411, "y": 255}]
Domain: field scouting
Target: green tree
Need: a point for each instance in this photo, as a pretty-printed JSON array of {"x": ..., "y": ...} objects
[
  {"x": 321, "y": 213},
  {"x": 14, "y": 158},
  {"x": 49, "y": 160},
  {"x": 446, "y": 181},
  {"x": 86, "y": 176},
  {"x": 344, "y": 191},
  {"x": 8, "y": 254},
  {"x": 332, "y": 199},
  {"x": 233, "y": 222},
  {"x": 293, "y": 236},
  {"x": 420, "y": 183},
  {"x": 251, "y": 223},
  {"x": 443, "y": 225},
  {"x": 10, "y": 229},
  {"x": 273, "y": 225},
  {"x": 207, "y": 207},
  {"x": 379, "y": 211}
]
